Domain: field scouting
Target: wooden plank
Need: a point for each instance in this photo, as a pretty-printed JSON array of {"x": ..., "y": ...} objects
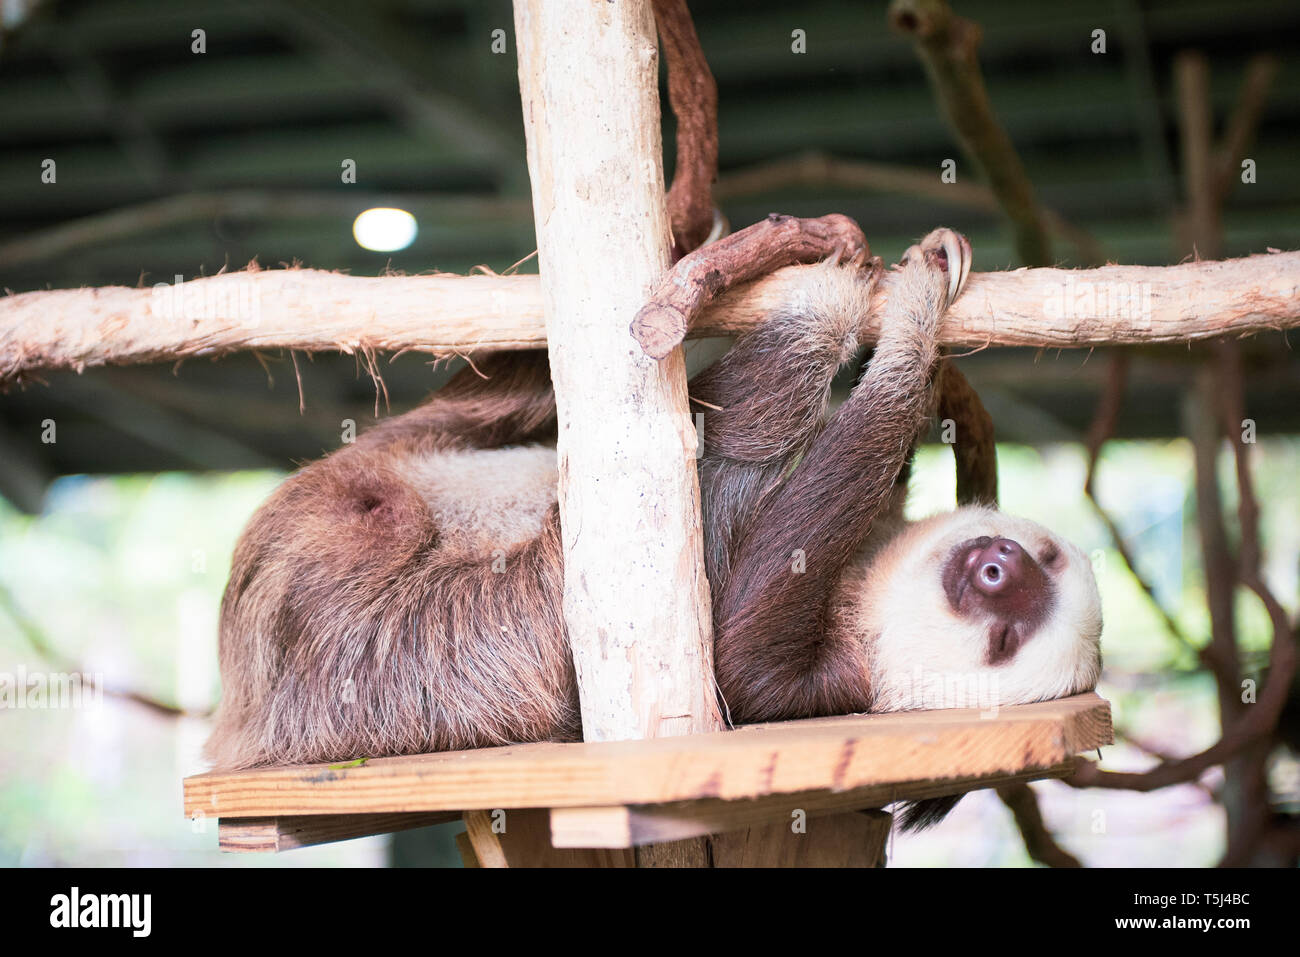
[
  {"x": 466, "y": 849},
  {"x": 857, "y": 839},
  {"x": 271, "y": 834},
  {"x": 693, "y": 852},
  {"x": 834, "y": 754},
  {"x": 637, "y": 825},
  {"x": 521, "y": 838}
]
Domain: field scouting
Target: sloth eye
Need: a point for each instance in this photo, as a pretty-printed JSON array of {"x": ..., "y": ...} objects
[{"x": 1050, "y": 554}]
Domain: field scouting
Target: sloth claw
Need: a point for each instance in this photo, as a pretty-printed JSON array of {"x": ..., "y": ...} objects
[
  {"x": 947, "y": 250},
  {"x": 869, "y": 268},
  {"x": 851, "y": 253}
]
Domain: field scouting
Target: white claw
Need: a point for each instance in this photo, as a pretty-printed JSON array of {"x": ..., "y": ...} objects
[
  {"x": 966, "y": 261},
  {"x": 721, "y": 227},
  {"x": 952, "y": 249},
  {"x": 957, "y": 251}
]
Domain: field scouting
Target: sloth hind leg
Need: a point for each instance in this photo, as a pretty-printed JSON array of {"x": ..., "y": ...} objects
[{"x": 502, "y": 398}]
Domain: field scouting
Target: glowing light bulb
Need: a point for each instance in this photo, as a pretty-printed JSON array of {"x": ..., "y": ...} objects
[{"x": 384, "y": 230}]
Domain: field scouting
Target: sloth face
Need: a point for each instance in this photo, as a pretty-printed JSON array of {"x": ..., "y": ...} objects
[
  {"x": 996, "y": 580},
  {"x": 977, "y": 608}
]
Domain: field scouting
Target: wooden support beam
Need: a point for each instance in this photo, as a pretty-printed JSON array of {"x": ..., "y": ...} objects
[
  {"x": 636, "y": 599},
  {"x": 636, "y": 825},
  {"x": 314, "y": 311},
  {"x": 857, "y": 839},
  {"x": 272, "y": 834},
  {"x": 521, "y": 839},
  {"x": 116, "y": 227},
  {"x": 366, "y": 42},
  {"x": 466, "y": 849}
]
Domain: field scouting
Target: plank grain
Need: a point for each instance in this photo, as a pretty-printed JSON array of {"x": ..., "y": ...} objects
[{"x": 906, "y": 752}]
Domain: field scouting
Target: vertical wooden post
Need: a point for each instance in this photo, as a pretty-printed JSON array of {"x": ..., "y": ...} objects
[
  {"x": 855, "y": 839},
  {"x": 636, "y": 600},
  {"x": 524, "y": 841}
]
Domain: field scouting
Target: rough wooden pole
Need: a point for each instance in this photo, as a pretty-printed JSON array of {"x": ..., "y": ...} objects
[
  {"x": 316, "y": 311},
  {"x": 636, "y": 600}
]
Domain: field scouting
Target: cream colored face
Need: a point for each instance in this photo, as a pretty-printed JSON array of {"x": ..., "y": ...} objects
[{"x": 977, "y": 608}]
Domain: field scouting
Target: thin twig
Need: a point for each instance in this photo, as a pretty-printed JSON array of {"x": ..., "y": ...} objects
[
  {"x": 1100, "y": 431},
  {"x": 46, "y": 650},
  {"x": 1039, "y": 842},
  {"x": 1243, "y": 121}
]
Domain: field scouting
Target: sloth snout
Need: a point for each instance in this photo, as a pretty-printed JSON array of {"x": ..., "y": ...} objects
[
  {"x": 996, "y": 576},
  {"x": 1001, "y": 566}
]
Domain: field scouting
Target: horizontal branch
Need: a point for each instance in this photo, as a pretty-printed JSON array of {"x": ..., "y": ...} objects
[{"x": 316, "y": 311}]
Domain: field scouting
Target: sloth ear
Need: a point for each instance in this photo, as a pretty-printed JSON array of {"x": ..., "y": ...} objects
[{"x": 920, "y": 815}]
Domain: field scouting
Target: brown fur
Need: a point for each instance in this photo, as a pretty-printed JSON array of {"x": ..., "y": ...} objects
[
  {"x": 975, "y": 451},
  {"x": 344, "y": 631},
  {"x": 350, "y": 629},
  {"x": 777, "y": 654}
]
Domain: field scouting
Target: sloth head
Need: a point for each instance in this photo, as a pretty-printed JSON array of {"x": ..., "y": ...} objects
[{"x": 976, "y": 608}]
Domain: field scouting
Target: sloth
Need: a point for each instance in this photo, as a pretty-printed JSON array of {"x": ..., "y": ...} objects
[{"x": 403, "y": 594}]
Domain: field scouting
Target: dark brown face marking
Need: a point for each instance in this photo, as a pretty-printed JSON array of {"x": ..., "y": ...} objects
[{"x": 995, "y": 579}]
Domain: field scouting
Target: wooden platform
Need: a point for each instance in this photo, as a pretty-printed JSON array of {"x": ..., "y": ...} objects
[{"x": 627, "y": 793}]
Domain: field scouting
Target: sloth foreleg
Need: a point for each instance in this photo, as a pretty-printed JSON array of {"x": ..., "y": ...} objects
[
  {"x": 765, "y": 400},
  {"x": 502, "y": 398},
  {"x": 774, "y": 653}
]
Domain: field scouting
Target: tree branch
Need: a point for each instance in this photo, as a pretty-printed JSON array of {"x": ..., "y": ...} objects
[
  {"x": 1242, "y": 123},
  {"x": 693, "y": 96},
  {"x": 1254, "y": 721},
  {"x": 947, "y": 45},
  {"x": 1100, "y": 431},
  {"x": 42, "y": 646},
  {"x": 1039, "y": 843},
  {"x": 316, "y": 311},
  {"x": 699, "y": 278}
]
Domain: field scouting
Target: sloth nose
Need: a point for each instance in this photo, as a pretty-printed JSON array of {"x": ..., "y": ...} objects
[{"x": 1000, "y": 565}]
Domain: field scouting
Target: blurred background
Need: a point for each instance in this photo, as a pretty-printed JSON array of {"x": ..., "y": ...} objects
[{"x": 116, "y": 529}]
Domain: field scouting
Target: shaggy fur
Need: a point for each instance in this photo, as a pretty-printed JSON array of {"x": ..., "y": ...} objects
[
  {"x": 357, "y": 621},
  {"x": 403, "y": 594}
]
